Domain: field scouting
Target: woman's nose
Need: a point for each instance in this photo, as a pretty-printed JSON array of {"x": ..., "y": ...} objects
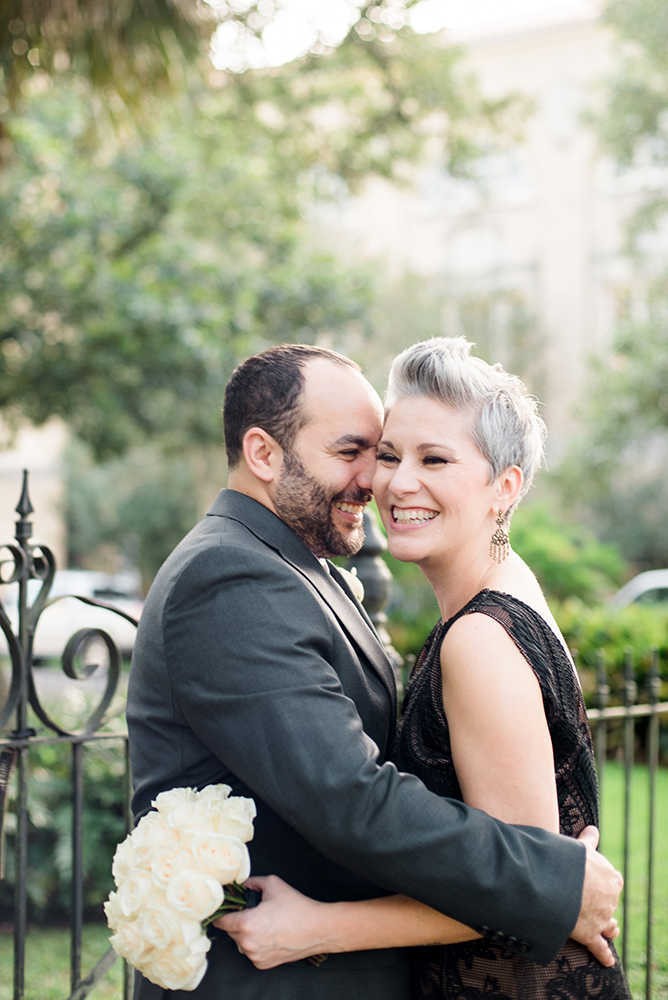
[{"x": 403, "y": 479}]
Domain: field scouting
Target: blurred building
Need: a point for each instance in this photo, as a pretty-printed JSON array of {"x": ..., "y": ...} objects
[{"x": 530, "y": 258}]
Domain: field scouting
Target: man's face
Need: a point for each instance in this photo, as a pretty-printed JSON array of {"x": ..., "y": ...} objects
[{"x": 325, "y": 481}]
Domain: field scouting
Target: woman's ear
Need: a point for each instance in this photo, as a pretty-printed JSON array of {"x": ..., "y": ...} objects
[
  {"x": 262, "y": 453},
  {"x": 508, "y": 486}
]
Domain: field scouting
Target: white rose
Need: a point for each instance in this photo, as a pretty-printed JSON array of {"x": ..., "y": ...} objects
[
  {"x": 224, "y": 858},
  {"x": 179, "y": 968},
  {"x": 124, "y": 859},
  {"x": 233, "y": 817},
  {"x": 113, "y": 912},
  {"x": 214, "y": 793},
  {"x": 129, "y": 942},
  {"x": 162, "y": 928},
  {"x": 134, "y": 891},
  {"x": 176, "y": 806},
  {"x": 194, "y": 894},
  {"x": 166, "y": 863},
  {"x": 136, "y": 851}
]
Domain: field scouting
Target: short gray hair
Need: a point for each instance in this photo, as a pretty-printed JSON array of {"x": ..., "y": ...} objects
[{"x": 507, "y": 427}]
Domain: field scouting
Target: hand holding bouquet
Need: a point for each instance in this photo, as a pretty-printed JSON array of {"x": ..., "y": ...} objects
[{"x": 180, "y": 868}]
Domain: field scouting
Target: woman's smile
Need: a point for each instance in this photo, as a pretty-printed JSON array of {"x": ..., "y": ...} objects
[{"x": 412, "y": 516}]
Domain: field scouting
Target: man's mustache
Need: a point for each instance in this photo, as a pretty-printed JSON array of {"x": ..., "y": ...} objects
[{"x": 359, "y": 496}]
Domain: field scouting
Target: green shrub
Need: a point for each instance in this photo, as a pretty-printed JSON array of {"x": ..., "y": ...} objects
[
  {"x": 568, "y": 561},
  {"x": 610, "y": 635},
  {"x": 49, "y": 830}
]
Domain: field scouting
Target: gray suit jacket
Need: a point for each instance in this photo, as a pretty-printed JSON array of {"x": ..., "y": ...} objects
[{"x": 254, "y": 667}]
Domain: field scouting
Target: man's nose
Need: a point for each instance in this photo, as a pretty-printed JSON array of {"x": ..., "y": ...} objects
[{"x": 366, "y": 470}]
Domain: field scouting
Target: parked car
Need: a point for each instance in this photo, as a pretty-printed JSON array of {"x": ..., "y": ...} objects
[
  {"x": 650, "y": 587},
  {"x": 66, "y": 615}
]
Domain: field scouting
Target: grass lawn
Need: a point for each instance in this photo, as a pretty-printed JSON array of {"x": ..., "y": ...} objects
[
  {"x": 635, "y": 890},
  {"x": 48, "y": 964},
  {"x": 47, "y": 975}
]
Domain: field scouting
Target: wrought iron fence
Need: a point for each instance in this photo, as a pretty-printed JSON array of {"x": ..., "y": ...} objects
[
  {"x": 628, "y": 716},
  {"x": 23, "y": 561}
]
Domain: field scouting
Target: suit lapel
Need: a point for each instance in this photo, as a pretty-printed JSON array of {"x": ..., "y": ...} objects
[
  {"x": 269, "y": 528},
  {"x": 354, "y": 621}
]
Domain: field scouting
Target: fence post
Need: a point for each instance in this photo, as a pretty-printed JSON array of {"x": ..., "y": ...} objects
[
  {"x": 654, "y": 686},
  {"x": 600, "y": 731},
  {"x": 630, "y": 693},
  {"x": 377, "y": 582}
]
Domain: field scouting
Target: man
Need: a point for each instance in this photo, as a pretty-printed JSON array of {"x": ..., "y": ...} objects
[{"x": 255, "y": 667}]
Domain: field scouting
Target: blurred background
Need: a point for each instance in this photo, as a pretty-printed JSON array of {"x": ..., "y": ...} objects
[{"x": 183, "y": 183}]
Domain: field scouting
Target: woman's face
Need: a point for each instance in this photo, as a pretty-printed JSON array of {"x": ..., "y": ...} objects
[{"x": 432, "y": 484}]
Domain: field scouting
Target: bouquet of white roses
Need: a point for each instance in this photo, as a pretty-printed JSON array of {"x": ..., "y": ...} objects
[{"x": 178, "y": 870}]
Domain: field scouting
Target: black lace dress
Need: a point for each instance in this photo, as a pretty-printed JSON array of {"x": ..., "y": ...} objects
[{"x": 483, "y": 969}]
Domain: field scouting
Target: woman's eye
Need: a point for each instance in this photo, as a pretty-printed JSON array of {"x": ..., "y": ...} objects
[
  {"x": 386, "y": 457},
  {"x": 434, "y": 460}
]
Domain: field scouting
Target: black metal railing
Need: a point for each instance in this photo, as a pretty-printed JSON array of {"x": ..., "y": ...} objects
[
  {"x": 26, "y": 725},
  {"x": 637, "y": 730},
  {"x": 36, "y": 726}
]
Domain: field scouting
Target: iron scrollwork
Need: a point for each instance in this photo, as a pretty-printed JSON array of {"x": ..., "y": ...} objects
[{"x": 27, "y": 561}]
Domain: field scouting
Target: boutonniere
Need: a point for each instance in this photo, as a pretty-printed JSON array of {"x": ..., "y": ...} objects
[{"x": 353, "y": 581}]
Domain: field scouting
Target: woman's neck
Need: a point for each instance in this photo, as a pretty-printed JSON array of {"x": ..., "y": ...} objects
[{"x": 456, "y": 582}]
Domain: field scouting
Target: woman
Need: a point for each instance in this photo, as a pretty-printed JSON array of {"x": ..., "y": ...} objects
[{"x": 493, "y": 712}]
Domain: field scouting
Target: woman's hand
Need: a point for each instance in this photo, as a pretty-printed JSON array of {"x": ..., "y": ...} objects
[{"x": 282, "y": 928}]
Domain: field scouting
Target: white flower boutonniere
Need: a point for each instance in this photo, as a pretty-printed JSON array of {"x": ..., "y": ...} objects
[
  {"x": 178, "y": 870},
  {"x": 353, "y": 581}
]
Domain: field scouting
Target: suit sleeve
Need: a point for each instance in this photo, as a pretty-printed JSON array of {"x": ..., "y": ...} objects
[{"x": 249, "y": 650}]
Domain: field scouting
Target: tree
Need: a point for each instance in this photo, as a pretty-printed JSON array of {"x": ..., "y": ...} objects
[
  {"x": 616, "y": 469},
  {"x": 138, "y": 264},
  {"x": 121, "y": 48},
  {"x": 133, "y": 277}
]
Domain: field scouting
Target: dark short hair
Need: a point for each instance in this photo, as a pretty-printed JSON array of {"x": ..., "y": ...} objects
[{"x": 265, "y": 391}]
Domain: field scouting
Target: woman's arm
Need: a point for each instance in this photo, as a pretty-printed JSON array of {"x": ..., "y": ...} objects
[
  {"x": 500, "y": 742},
  {"x": 288, "y": 926}
]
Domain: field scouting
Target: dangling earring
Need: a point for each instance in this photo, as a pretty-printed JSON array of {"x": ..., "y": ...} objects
[{"x": 499, "y": 545}]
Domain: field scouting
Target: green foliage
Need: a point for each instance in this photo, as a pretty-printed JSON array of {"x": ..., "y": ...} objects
[
  {"x": 50, "y": 849},
  {"x": 137, "y": 506},
  {"x": 139, "y": 264},
  {"x": 612, "y": 635},
  {"x": 412, "y": 611},
  {"x": 133, "y": 278},
  {"x": 639, "y": 87},
  {"x": 120, "y": 47},
  {"x": 614, "y": 474},
  {"x": 625, "y": 427},
  {"x": 566, "y": 558}
]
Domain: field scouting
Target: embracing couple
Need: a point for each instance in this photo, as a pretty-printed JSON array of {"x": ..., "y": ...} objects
[{"x": 454, "y": 826}]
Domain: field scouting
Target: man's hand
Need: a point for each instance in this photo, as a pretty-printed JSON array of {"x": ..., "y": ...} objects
[{"x": 600, "y": 895}]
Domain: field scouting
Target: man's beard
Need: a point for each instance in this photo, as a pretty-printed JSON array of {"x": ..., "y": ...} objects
[{"x": 306, "y": 507}]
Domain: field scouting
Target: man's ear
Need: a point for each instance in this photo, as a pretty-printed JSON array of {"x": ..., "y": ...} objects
[
  {"x": 508, "y": 486},
  {"x": 262, "y": 453}
]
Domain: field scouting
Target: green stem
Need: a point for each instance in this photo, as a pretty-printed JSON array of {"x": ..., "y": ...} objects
[{"x": 235, "y": 899}]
